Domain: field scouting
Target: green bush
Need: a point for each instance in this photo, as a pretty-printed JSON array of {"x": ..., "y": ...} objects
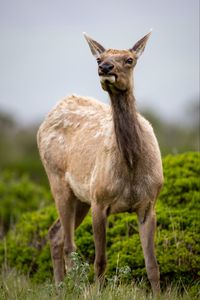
[
  {"x": 19, "y": 195},
  {"x": 182, "y": 180},
  {"x": 25, "y": 246},
  {"x": 177, "y": 239}
]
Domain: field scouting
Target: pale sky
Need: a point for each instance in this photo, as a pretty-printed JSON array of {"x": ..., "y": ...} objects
[{"x": 44, "y": 57}]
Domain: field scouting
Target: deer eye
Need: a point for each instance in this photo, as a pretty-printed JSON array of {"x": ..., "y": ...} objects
[
  {"x": 129, "y": 61},
  {"x": 98, "y": 61}
]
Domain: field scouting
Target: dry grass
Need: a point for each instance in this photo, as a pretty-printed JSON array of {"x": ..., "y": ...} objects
[{"x": 14, "y": 286}]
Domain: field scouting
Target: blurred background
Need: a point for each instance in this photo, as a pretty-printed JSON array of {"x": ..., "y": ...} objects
[{"x": 44, "y": 57}]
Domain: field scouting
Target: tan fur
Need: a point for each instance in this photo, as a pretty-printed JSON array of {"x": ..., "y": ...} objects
[{"x": 86, "y": 166}]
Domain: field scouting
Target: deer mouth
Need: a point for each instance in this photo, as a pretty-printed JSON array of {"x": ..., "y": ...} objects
[{"x": 111, "y": 78}]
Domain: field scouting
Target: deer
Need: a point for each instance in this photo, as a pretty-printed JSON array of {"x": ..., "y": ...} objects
[{"x": 104, "y": 157}]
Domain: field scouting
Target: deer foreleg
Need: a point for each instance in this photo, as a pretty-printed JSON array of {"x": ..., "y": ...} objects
[
  {"x": 147, "y": 227},
  {"x": 99, "y": 229}
]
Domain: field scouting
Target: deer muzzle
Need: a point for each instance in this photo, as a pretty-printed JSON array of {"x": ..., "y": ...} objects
[{"x": 109, "y": 78}]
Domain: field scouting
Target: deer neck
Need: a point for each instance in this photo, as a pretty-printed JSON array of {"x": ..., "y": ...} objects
[{"x": 126, "y": 126}]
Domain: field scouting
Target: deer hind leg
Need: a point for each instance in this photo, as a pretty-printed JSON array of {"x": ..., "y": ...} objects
[
  {"x": 56, "y": 239},
  {"x": 99, "y": 217},
  {"x": 147, "y": 227},
  {"x": 57, "y": 236},
  {"x": 66, "y": 204}
]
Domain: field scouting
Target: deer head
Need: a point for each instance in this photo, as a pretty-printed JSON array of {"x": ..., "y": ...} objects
[{"x": 115, "y": 67}]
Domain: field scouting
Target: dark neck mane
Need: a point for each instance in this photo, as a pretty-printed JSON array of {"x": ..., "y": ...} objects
[{"x": 126, "y": 126}]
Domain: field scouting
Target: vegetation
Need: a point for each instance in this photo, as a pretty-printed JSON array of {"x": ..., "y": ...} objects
[
  {"x": 18, "y": 149},
  {"x": 17, "y": 286},
  {"x": 177, "y": 137},
  {"x": 19, "y": 195},
  {"x": 26, "y": 249},
  {"x": 27, "y": 211}
]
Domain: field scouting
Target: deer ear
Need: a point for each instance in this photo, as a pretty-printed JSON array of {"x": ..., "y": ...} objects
[
  {"x": 95, "y": 47},
  {"x": 139, "y": 47}
]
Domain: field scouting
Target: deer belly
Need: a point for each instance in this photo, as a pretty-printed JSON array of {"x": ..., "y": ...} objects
[{"x": 81, "y": 189}]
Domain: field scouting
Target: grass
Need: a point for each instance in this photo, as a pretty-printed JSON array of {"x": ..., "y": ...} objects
[
  {"x": 14, "y": 286},
  {"x": 76, "y": 286}
]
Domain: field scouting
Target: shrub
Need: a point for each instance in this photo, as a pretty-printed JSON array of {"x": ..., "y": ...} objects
[
  {"x": 19, "y": 195},
  {"x": 25, "y": 247},
  {"x": 182, "y": 182},
  {"x": 177, "y": 247}
]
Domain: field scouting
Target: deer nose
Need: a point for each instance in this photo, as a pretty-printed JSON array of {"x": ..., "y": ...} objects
[{"x": 106, "y": 68}]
